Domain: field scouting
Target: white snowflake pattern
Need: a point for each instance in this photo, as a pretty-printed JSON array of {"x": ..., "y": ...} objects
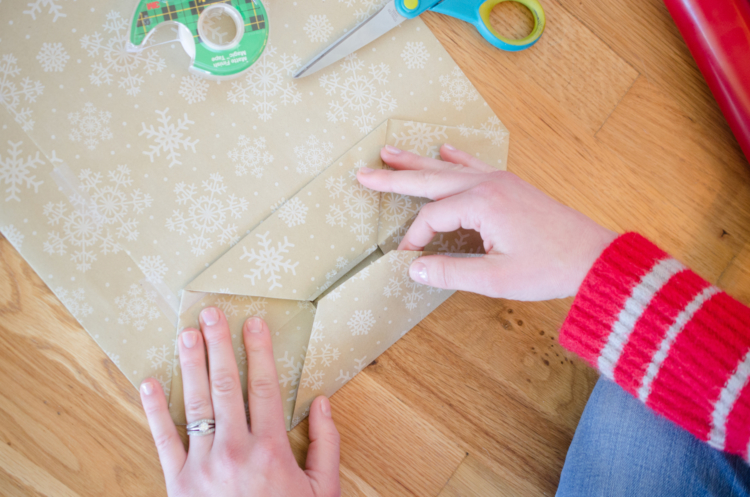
[
  {"x": 292, "y": 371},
  {"x": 75, "y": 301},
  {"x": 168, "y": 137},
  {"x": 160, "y": 356},
  {"x": 364, "y": 7},
  {"x": 53, "y": 57},
  {"x": 165, "y": 379},
  {"x": 250, "y": 156},
  {"x": 207, "y": 214},
  {"x": 401, "y": 285},
  {"x": 15, "y": 171},
  {"x": 267, "y": 83},
  {"x": 82, "y": 227},
  {"x": 13, "y": 235},
  {"x": 269, "y": 260},
  {"x": 318, "y": 28},
  {"x": 421, "y": 138},
  {"x": 115, "y": 358},
  {"x": 317, "y": 332},
  {"x": 361, "y": 322},
  {"x": 492, "y": 130},
  {"x": 112, "y": 201},
  {"x": 415, "y": 55},
  {"x": 342, "y": 263},
  {"x": 116, "y": 59},
  {"x": 137, "y": 307},
  {"x": 193, "y": 88},
  {"x": 233, "y": 305},
  {"x": 457, "y": 89},
  {"x": 293, "y": 213},
  {"x": 89, "y": 126},
  {"x": 313, "y": 156},
  {"x": 359, "y": 365},
  {"x": 358, "y": 93},
  {"x": 53, "y": 7},
  {"x": 358, "y": 205},
  {"x": 153, "y": 267},
  {"x": 454, "y": 242},
  {"x": 397, "y": 208},
  {"x": 315, "y": 358},
  {"x": 11, "y": 95}
]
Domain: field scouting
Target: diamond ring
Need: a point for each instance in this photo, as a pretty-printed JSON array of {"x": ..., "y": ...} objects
[{"x": 201, "y": 427}]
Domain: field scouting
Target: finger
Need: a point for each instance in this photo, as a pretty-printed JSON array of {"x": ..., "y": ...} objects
[
  {"x": 226, "y": 394},
  {"x": 168, "y": 444},
  {"x": 452, "y": 154},
  {"x": 472, "y": 274},
  {"x": 264, "y": 395},
  {"x": 403, "y": 160},
  {"x": 430, "y": 183},
  {"x": 322, "y": 465},
  {"x": 443, "y": 216},
  {"x": 195, "y": 386}
]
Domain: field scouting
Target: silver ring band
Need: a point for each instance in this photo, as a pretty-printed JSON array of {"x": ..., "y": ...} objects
[{"x": 201, "y": 427}]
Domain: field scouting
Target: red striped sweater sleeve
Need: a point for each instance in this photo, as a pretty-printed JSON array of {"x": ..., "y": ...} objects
[{"x": 671, "y": 339}]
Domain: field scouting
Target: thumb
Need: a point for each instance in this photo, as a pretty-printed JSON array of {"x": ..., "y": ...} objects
[
  {"x": 322, "y": 466},
  {"x": 473, "y": 274}
]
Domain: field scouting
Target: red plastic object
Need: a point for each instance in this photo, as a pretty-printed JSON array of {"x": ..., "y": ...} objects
[{"x": 717, "y": 32}]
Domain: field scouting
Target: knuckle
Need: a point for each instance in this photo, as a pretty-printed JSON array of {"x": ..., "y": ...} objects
[
  {"x": 198, "y": 407},
  {"x": 233, "y": 457},
  {"x": 164, "y": 440},
  {"x": 263, "y": 386},
  {"x": 190, "y": 362},
  {"x": 223, "y": 382}
]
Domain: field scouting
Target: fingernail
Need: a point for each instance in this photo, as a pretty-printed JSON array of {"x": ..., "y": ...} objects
[
  {"x": 189, "y": 338},
  {"x": 147, "y": 388},
  {"x": 325, "y": 407},
  {"x": 392, "y": 150},
  {"x": 210, "y": 316},
  {"x": 365, "y": 170},
  {"x": 449, "y": 147},
  {"x": 254, "y": 325},
  {"x": 418, "y": 272}
]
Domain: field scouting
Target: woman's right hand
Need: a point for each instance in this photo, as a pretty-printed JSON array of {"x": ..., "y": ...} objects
[{"x": 536, "y": 248}]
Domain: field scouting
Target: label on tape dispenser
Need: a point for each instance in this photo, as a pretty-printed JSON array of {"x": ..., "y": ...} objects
[{"x": 210, "y": 59}]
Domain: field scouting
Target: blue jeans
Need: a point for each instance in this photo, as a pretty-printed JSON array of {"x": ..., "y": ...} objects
[{"x": 621, "y": 447}]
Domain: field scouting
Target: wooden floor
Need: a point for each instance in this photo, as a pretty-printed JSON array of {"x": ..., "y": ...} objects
[{"x": 607, "y": 113}]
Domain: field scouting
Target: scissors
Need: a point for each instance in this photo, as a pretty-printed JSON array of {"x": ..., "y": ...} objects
[{"x": 394, "y": 12}]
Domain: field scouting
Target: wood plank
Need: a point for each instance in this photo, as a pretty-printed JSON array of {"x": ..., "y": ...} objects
[
  {"x": 472, "y": 478},
  {"x": 735, "y": 279}
]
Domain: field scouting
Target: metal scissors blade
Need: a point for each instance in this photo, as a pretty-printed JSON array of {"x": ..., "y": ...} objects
[{"x": 368, "y": 30}]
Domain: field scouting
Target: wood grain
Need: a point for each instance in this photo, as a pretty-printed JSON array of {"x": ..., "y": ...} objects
[{"x": 607, "y": 113}]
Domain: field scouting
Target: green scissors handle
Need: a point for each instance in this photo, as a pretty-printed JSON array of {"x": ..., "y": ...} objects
[{"x": 477, "y": 12}]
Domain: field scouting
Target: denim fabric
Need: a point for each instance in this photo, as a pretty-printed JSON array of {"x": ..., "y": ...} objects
[{"x": 621, "y": 447}]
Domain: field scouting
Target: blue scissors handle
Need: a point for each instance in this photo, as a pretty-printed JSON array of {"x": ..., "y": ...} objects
[{"x": 477, "y": 13}]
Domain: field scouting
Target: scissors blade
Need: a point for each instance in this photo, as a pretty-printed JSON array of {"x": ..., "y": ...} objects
[{"x": 368, "y": 30}]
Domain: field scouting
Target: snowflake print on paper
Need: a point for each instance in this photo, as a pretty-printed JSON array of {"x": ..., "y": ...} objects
[
  {"x": 457, "y": 89},
  {"x": 292, "y": 370},
  {"x": 415, "y": 55},
  {"x": 401, "y": 284},
  {"x": 313, "y": 156},
  {"x": 114, "y": 58},
  {"x": 363, "y": 7},
  {"x": 250, "y": 156},
  {"x": 115, "y": 358},
  {"x": 165, "y": 379},
  {"x": 315, "y": 358},
  {"x": 193, "y": 88},
  {"x": 269, "y": 261},
  {"x": 455, "y": 242},
  {"x": 74, "y": 301},
  {"x": 422, "y": 139},
  {"x": 233, "y": 305},
  {"x": 168, "y": 137},
  {"x": 11, "y": 95},
  {"x": 317, "y": 332},
  {"x": 153, "y": 268},
  {"x": 293, "y": 213},
  {"x": 397, "y": 208},
  {"x": 268, "y": 83},
  {"x": 137, "y": 307},
  {"x": 82, "y": 227},
  {"x": 53, "y": 7},
  {"x": 52, "y": 57},
  {"x": 12, "y": 234},
  {"x": 89, "y": 126},
  {"x": 359, "y": 365},
  {"x": 113, "y": 202},
  {"x": 160, "y": 356},
  {"x": 318, "y": 28},
  {"x": 361, "y": 322},
  {"x": 354, "y": 207},
  {"x": 207, "y": 214},
  {"x": 15, "y": 171},
  {"x": 358, "y": 93}
]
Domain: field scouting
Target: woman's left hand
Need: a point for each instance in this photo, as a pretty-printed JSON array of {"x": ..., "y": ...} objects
[{"x": 238, "y": 459}]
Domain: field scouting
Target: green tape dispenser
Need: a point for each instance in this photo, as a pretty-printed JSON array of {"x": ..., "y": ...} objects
[{"x": 208, "y": 58}]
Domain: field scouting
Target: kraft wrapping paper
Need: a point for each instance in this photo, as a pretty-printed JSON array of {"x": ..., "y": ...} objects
[{"x": 132, "y": 187}]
